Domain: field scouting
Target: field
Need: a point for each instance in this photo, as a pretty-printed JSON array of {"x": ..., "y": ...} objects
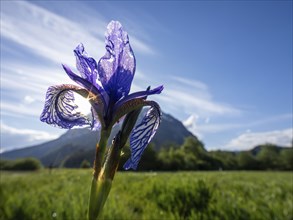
[{"x": 63, "y": 194}]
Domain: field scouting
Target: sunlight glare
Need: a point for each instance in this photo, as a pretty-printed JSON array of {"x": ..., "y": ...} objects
[{"x": 83, "y": 104}]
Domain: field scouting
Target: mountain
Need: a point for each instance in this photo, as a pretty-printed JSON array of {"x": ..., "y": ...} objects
[
  {"x": 171, "y": 131},
  {"x": 79, "y": 144}
]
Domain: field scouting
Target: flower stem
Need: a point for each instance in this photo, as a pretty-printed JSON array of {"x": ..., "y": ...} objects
[
  {"x": 99, "y": 192},
  {"x": 105, "y": 166},
  {"x": 100, "y": 152},
  {"x": 100, "y": 186}
]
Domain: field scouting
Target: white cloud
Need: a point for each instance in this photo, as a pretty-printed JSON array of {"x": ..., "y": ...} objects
[
  {"x": 209, "y": 132},
  {"x": 249, "y": 140},
  {"x": 53, "y": 36},
  {"x": 139, "y": 45},
  {"x": 42, "y": 31},
  {"x": 23, "y": 88},
  {"x": 20, "y": 109},
  {"x": 12, "y": 138},
  {"x": 193, "y": 97},
  {"x": 28, "y": 99},
  {"x": 190, "y": 121},
  {"x": 32, "y": 78},
  {"x": 193, "y": 84}
]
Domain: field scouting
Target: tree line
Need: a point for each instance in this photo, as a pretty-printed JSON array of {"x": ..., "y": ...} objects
[
  {"x": 191, "y": 155},
  {"x": 25, "y": 164}
]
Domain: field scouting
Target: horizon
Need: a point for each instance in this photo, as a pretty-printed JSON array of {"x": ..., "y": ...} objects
[
  {"x": 226, "y": 66},
  {"x": 211, "y": 150}
]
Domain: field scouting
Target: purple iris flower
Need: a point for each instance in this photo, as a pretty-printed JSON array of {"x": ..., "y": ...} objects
[{"x": 106, "y": 85}]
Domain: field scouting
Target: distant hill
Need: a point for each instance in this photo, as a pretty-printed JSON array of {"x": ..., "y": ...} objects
[
  {"x": 255, "y": 151},
  {"x": 79, "y": 144}
]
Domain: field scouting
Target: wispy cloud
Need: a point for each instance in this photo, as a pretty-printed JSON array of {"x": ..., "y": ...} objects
[
  {"x": 193, "y": 97},
  {"x": 45, "y": 33},
  {"x": 11, "y": 138},
  {"x": 53, "y": 36},
  {"x": 23, "y": 88},
  {"x": 249, "y": 140},
  {"x": 204, "y": 127},
  {"x": 31, "y": 77},
  {"x": 20, "y": 109},
  {"x": 194, "y": 84},
  {"x": 140, "y": 46}
]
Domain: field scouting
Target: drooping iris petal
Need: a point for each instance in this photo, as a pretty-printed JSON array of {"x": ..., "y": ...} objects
[
  {"x": 133, "y": 102},
  {"x": 87, "y": 66},
  {"x": 142, "y": 135},
  {"x": 116, "y": 68},
  {"x": 96, "y": 89},
  {"x": 136, "y": 95},
  {"x": 97, "y": 108},
  {"x": 60, "y": 109}
]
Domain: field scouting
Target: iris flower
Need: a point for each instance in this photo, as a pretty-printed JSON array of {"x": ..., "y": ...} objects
[{"x": 106, "y": 85}]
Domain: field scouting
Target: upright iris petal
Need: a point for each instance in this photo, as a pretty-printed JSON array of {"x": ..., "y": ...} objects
[
  {"x": 116, "y": 68},
  {"x": 86, "y": 65},
  {"x": 98, "y": 91}
]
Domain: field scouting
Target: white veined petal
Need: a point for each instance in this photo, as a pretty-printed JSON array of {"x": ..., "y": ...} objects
[{"x": 142, "y": 134}]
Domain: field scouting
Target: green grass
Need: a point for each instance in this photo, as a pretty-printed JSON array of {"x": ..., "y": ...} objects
[{"x": 63, "y": 194}]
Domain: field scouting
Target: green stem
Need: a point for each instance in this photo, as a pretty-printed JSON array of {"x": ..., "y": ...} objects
[
  {"x": 105, "y": 166},
  {"x": 99, "y": 192},
  {"x": 100, "y": 151},
  {"x": 113, "y": 158},
  {"x": 100, "y": 187}
]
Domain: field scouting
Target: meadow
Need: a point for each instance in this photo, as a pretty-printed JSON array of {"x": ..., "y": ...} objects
[{"x": 63, "y": 194}]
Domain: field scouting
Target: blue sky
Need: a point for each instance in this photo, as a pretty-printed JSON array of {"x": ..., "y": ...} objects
[{"x": 226, "y": 65}]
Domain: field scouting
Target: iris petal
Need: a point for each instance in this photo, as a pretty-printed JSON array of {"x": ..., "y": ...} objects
[
  {"x": 142, "y": 135},
  {"x": 116, "y": 68},
  {"x": 86, "y": 65},
  {"x": 136, "y": 95},
  {"x": 60, "y": 109},
  {"x": 96, "y": 89}
]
